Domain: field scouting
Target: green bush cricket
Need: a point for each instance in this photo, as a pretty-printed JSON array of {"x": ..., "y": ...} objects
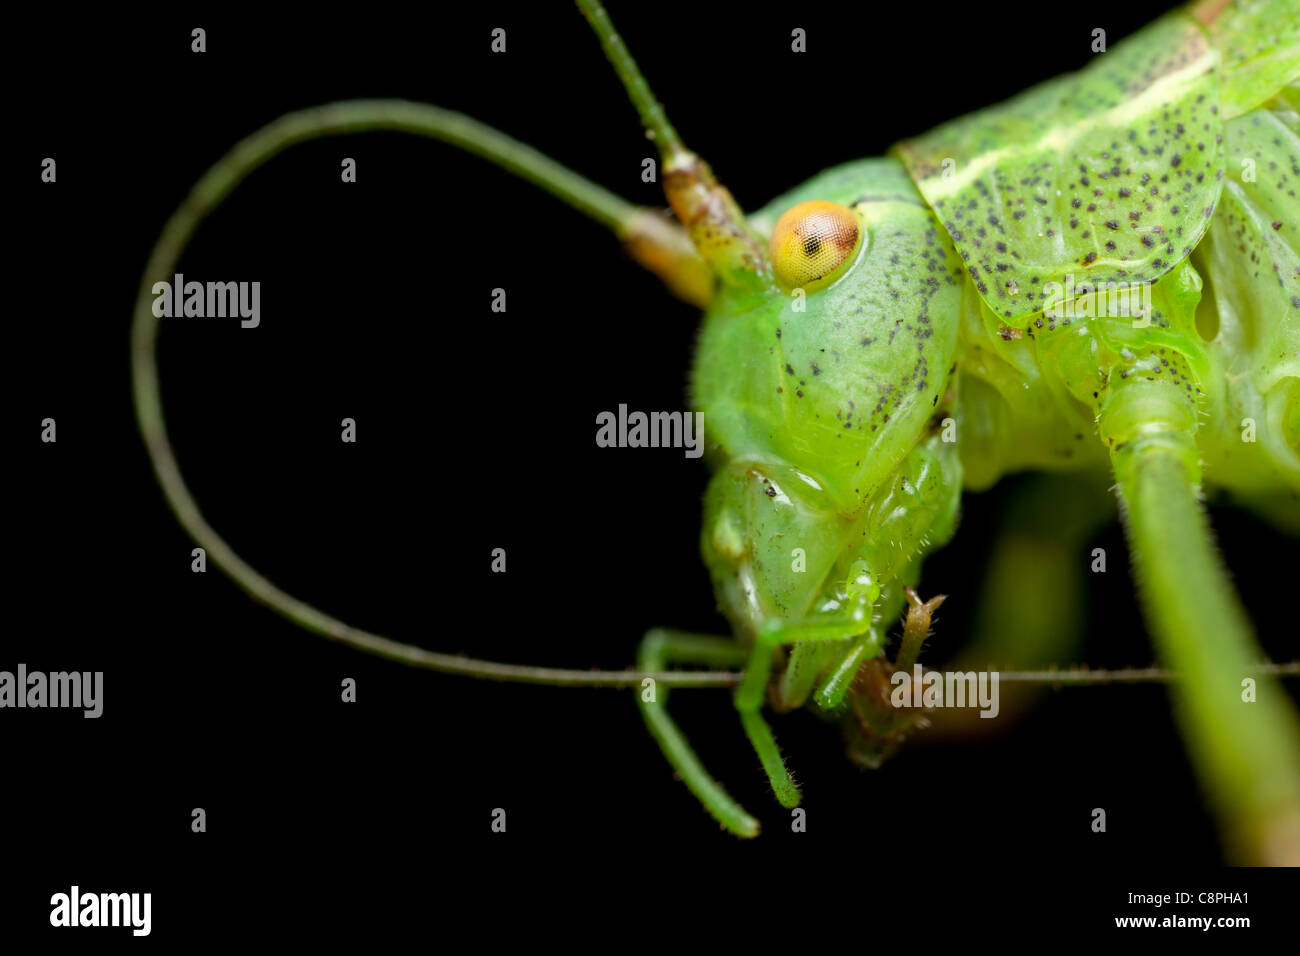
[{"x": 1084, "y": 278}]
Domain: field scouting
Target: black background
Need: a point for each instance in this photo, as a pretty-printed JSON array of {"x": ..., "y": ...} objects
[{"x": 475, "y": 432}]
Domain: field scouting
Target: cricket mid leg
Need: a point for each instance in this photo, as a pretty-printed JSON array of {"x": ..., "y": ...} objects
[
  {"x": 1029, "y": 613},
  {"x": 659, "y": 648}
]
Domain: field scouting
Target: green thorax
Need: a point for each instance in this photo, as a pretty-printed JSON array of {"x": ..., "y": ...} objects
[
  {"x": 1179, "y": 140},
  {"x": 822, "y": 409}
]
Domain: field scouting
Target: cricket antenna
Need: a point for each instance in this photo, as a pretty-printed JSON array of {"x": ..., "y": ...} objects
[{"x": 715, "y": 223}]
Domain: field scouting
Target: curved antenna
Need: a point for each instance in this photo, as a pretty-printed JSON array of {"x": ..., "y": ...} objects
[
  {"x": 353, "y": 117},
  {"x": 606, "y": 208}
]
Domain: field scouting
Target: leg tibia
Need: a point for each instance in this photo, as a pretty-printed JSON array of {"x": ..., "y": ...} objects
[{"x": 658, "y": 648}]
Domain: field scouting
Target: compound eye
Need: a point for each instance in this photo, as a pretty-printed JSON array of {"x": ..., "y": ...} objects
[{"x": 812, "y": 244}]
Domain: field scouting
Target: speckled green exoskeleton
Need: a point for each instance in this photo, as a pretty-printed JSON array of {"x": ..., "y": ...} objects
[{"x": 1099, "y": 277}]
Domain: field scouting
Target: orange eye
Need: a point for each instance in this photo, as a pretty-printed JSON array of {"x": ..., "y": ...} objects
[{"x": 812, "y": 242}]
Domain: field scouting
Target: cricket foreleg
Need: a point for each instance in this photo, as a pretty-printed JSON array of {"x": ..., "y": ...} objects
[
  {"x": 853, "y": 623},
  {"x": 758, "y": 672},
  {"x": 803, "y": 668},
  {"x": 659, "y": 648},
  {"x": 832, "y": 691}
]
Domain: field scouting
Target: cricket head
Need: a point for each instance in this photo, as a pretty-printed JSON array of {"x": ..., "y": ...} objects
[
  {"x": 823, "y": 374},
  {"x": 827, "y": 406}
]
